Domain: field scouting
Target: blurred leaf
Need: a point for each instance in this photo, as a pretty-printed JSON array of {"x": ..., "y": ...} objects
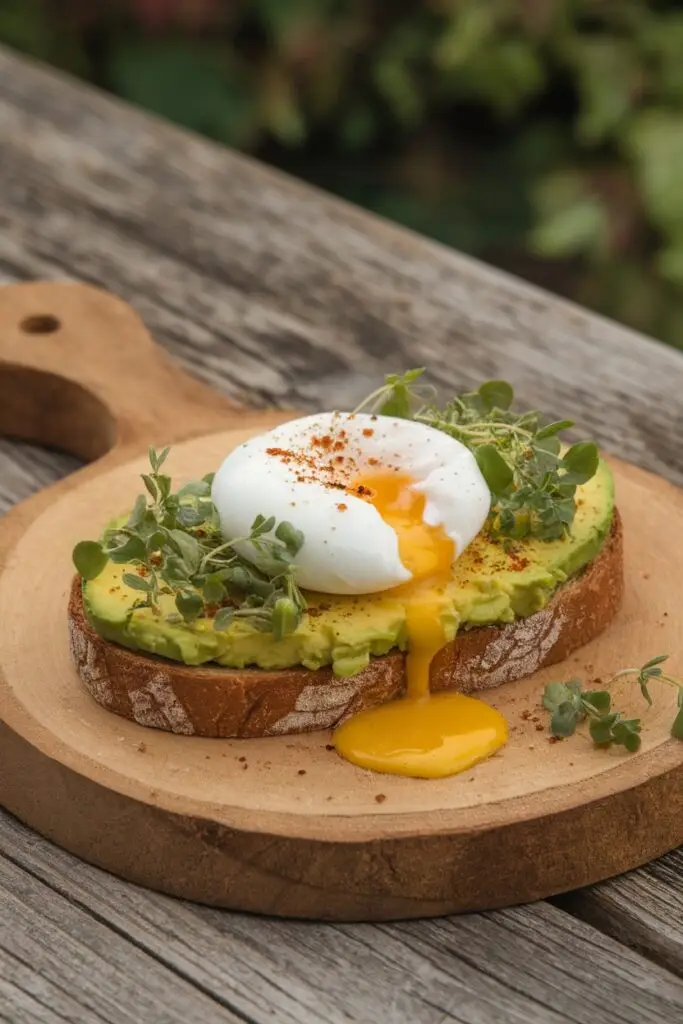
[
  {"x": 580, "y": 226},
  {"x": 24, "y": 25},
  {"x": 454, "y": 117},
  {"x": 280, "y": 108},
  {"x": 504, "y": 75},
  {"x": 670, "y": 263},
  {"x": 655, "y": 142},
  {"x": 559, "y": 190},
  {"x": 607, "y": 73},
  {"x": 193, "y": 84},
  {"x": 281, "y": 18},
  {"x": 395, "y": 83},
  {"x": 469, "y": 30},
  {"x": 662, "y": 42},
  {"x": 358, "y": 127}
]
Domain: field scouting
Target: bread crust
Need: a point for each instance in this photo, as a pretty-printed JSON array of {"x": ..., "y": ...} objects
[{"x": 222, "y": 702}]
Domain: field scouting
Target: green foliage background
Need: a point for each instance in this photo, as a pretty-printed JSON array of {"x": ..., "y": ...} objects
[{"x": 542, "y": 135}]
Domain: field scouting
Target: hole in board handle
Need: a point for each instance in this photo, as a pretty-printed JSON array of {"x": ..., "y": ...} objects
[{"x": 41, "y": 323}]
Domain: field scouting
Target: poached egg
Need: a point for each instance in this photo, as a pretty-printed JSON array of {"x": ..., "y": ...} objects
[
  {"x": 340, "y": 479},
  {"x": 384, "y": 504}
]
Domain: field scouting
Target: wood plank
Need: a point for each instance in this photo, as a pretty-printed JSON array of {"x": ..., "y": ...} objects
[
  {"x": 57, "y": 961},
  {"x": 262, "y": 285},
  {"x": 19, "y": 1004},
  {"x": 277, "y": 293},
  {"x": 25, "y": 468},
  {"x": 511, "y": 966},
  {"x": 643, "y": 909}
]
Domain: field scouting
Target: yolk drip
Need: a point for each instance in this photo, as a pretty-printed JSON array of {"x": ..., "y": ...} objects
[{"x": 419, "y": 735}]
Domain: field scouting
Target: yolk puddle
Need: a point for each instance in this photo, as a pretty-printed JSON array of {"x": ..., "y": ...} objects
[{"x": 422, "y": 735}]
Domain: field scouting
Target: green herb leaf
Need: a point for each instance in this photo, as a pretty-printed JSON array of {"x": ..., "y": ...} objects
[
  {"x": 201, "y": 568},
  {"x": 157, "y": 459},
  {"x": 161, "y": 458},
  {"x": 213, "y": 590},
  {"x": 188, "y": 516},
  {"x": 286, "y": 617},
  {"x": 194, "y": 489},
  {"x": 601, "y": 729},
  {"x": 163, "y": 484},
  {"x": 600, "y": 700},
  {"x": 644, "y": 689},
  {"x": 496, "y": 394},
  {"x": 564, "y": 720},
  {"x": 532, "y": 486},
  {"x": 155, "y": 541},
  {"x": 658, "y": 660},
  {"x": 188, "y": 548},
  {"x": 626, "y": 733},
  {"x": 137, "y": 515},
  {"x": 89, "y": 559},
  {"x": 261, "y": 526},
  {"x": 495, "y": 470},
  {"x": 133, "y": 549},
  {"x": 175, "y": 571},
  {"x": 398, "y": 397},
  {"x": 397, "y": 405},
  {"x": 582, "y": 461},
  {"x": 552, "y": 429},
  {"x": 151, "y": 486},
  {"x": 606, "y": 726},
  {"x": 240, "y": 576},
  {"x": 223, "y": 619},
  {"x": 292, "y": 538},
  {"x": 189, "y": 605},
  {"x": 677, "y": 727},
  {"x": 556, "y": 694},
  {"x": 137, "y": 582}
]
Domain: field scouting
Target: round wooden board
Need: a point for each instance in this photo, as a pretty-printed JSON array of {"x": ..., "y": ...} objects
[{"x": 283, "y": 825}]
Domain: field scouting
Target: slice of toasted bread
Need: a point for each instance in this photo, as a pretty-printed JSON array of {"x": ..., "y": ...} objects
[{"x": 223, "y": 702}]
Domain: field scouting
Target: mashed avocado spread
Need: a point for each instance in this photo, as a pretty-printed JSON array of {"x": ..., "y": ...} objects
[{"x": 493, "y": 582}]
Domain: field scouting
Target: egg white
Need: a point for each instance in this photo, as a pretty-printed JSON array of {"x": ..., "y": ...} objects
[{"x": 350, "y": 550}]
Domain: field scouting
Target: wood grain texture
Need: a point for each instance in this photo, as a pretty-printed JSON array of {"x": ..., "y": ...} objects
[
  {"x": 510, "y": 967},
  {"x": 243, "y": 264},
  {"x": 57, "y": 957},
  {"x": 94, "y": 382},
  {"x": 643, "y": 909},
  {"x": 191, "y": 823},
  {"x": 227, "y": 260},
  {"x": 26, "y": 468}
]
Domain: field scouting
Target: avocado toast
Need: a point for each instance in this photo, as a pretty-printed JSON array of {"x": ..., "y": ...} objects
[{"x": 517, "y": 597}]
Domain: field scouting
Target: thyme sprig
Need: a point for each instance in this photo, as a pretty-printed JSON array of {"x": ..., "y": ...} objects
[
  {"x": 532, "y": 480},
  {"x": 174, "y": 541},
  {"x": 569, "y": 705}
]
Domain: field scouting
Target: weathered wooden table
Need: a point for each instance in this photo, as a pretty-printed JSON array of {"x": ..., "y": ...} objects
[{"x": 277, "y": 294}]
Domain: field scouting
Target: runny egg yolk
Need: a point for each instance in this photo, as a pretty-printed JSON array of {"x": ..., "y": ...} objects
[{"x": 423, "y": 735}]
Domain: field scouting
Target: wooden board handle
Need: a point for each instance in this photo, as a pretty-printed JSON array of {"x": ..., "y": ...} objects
[{"x": 79, "y": 371}]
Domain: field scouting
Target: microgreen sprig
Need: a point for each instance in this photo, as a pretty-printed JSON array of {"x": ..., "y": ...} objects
[
  {"x": 173, "y": 541},
  {"x": 569, "y": 705},
  {"x": 532, "y": 481}
]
